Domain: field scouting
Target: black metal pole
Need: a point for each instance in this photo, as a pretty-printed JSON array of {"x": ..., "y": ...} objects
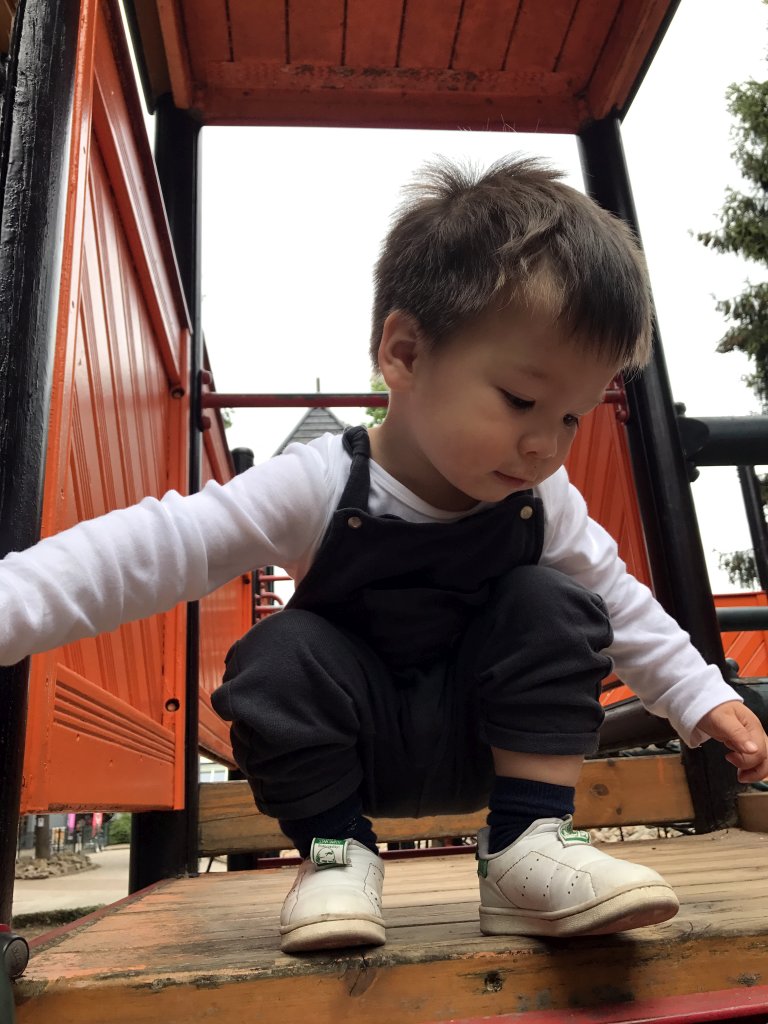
[
  {"x": 34, "y": 161},
  {"x": 165, "y": 843},
  {"x": 677, "y": 558},
  {"x": 758, "y": 530}
]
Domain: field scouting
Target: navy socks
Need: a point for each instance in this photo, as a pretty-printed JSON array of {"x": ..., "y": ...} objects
[
  {"x": 516, "y": 803},
  {"x": 344, "y": 821}
]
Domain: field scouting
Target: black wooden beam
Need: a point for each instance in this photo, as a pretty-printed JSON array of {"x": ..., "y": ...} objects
[
  {"x": 164, "y": 843},
  {"x": 34, "y": 152},
  {"x": 677, "y": 558}
]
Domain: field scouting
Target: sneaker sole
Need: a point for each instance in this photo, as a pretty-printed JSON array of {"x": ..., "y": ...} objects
[
  {"x": 637, "y": 908},
  {"x": 332, "y": 935}
]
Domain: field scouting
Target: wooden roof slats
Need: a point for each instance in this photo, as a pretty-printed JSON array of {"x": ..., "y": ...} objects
[
  {"x": 634, "y": 31},
  {"x": 546, "y": 65},
  {"x": 373, "y": 33},
  {"x": 315, "y": 31},
  {"x": 536, "y": 49},
  {"x": 484, "y": 34},
  {"x": 429, "y": 33},
  {"x": 258, "y": 30}
]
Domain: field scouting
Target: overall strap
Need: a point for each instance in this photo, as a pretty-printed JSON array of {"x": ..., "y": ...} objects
[{"x": 357, "y": 443}]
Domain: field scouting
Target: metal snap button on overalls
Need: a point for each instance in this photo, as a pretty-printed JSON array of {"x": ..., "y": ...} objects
[
  {"x": 526, "y": 512},
  {"x": 355, "y": 522}
]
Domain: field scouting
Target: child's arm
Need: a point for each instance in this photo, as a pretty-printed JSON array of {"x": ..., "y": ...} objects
[
  {"x": 650, "y": 651},
  {"x": 144, "y": 559}
]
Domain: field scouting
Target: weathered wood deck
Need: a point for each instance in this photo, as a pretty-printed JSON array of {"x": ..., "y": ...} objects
[{"x": 206, "y": 949}]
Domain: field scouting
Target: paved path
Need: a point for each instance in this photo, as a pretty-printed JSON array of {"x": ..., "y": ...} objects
[{"x": 107, "y": 883}]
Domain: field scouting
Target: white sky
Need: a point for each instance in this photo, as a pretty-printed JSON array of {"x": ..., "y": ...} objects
[{"x": 292, "y": 221}]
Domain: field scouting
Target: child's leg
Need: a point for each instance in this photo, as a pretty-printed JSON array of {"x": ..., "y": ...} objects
[
  {"x": 302, "y": 698},
  {"x": 539, "y": 668}
]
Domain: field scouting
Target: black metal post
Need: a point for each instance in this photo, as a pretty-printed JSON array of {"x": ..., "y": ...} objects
[
  {"x": 34, "y": 160},
  {"x": 669, "y": 519},
  {"x": 165, "y": 843},
  {"x": 758, "y": 530}
]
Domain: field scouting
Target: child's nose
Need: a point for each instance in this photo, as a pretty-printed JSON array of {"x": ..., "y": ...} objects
[{"x": 541, "y": 444}]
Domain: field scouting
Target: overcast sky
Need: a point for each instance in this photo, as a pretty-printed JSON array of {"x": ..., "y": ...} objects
[{"x": 293, "y": 218}]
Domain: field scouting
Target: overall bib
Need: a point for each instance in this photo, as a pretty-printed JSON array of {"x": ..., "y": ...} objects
[{"x": 407, "y": 651}]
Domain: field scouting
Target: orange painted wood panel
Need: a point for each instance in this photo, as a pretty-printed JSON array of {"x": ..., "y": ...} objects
[
  {"x": 315, "y": 31},
  {"x": 539, "y": 35},
  {"x": 631, "y": 37},
  {"x": 206, "y": 33},
  {"x": 100, "y": 733},
  {"x": 372, "y": 34},
  {"x": 429, "y": 29},
  {"x": 586, "y": 36},
  {"x": 484, "y": 32},
  {"x": 599, "y": 466},
  {"x": 258, "y": 30},
  {"x": 748, "y": 649}
]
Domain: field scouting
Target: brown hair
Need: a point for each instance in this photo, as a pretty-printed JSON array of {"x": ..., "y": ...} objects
[{"x": 514, "y": 233}]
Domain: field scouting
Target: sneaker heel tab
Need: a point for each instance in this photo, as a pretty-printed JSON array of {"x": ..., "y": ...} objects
[{"x": 329, "y": 853}]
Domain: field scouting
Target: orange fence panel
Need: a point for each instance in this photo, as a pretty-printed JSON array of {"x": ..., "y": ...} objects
[{"x": 102, "y": 731}]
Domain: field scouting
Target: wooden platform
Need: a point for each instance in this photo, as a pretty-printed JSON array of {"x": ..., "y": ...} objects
[{"x": 205, "y": 949}]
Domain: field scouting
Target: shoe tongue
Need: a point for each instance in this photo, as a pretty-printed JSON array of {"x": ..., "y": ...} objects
[
  {"x": 568, "y": 835},
  {"x": 329, "y": 853}
]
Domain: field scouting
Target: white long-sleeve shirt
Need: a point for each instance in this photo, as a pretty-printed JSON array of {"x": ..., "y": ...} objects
[{"x": 142, "y": 560}]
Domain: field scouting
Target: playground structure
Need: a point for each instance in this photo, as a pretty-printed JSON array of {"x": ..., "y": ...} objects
[{"x": 107, "y": 395}]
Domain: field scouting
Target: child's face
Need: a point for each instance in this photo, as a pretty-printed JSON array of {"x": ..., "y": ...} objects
[{"x": 497, "y": 409}]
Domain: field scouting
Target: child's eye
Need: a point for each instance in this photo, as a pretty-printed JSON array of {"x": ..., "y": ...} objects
[
  {"x": 572, "y": 422},
  {"x": 515, "y": 402}
]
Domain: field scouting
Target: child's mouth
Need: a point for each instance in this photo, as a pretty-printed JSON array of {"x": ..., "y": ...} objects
[{"x": 511, "y": 481}]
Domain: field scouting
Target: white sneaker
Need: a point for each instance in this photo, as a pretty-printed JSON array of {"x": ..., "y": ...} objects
[
  {"x": 335, "y": 900},
  {"x": 552, "y": 881}
]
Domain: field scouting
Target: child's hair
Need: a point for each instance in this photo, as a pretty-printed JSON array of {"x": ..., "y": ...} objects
[{"x": 515, "y": 234}]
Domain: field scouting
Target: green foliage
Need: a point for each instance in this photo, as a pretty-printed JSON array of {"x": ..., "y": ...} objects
[
  {"x": 744, "y": 231},
  {"x": 119, "y": 829},
  {"x": 375, "y": 413},
  {"x": 741, "y": 569}
]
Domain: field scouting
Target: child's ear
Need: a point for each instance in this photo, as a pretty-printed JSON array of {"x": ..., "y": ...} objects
[{"x": 401, "y": 344}]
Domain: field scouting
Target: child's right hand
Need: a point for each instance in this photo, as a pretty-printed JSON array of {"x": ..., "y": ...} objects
[{"x": 740, "y": 730}]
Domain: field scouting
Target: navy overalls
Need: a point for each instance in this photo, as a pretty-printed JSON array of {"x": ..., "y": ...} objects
[{"x": 407, "y": 651}]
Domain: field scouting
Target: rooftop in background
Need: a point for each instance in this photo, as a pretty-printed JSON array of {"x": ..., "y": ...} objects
[
  {"x": 526, "y": 65},
  {"x": 314, "y": 423}
]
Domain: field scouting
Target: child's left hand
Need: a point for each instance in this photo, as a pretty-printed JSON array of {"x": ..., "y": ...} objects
[{"x": 740, "y": 730}]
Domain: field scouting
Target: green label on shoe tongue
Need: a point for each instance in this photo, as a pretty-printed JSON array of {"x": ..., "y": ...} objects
[
  {"x": 568, "y": 834},
  {"x": 329, "y": 853}
]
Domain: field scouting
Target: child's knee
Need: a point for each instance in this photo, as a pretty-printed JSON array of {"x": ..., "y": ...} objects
[{"x": 538, "y": 597}]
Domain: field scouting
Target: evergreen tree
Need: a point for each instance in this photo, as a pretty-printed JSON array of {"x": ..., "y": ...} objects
[{"x": 744, "y": 231}]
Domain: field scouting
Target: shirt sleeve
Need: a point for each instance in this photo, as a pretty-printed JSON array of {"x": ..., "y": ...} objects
[
  {"x": 651, "y": 653},
  {"x": 142, "y": 560}
]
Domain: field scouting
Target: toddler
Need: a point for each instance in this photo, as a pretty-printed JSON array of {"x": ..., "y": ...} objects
[{"x": 456, "y": 609}]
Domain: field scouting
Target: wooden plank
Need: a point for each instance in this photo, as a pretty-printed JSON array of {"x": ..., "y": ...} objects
[
  {"x": 613, "y": 791},
  {"x": 539, "y": 34},
  {"x": 207, "y": 949},
  {"x": 753, "y": 811},
  {"x": 585, "y": 39},
  {"x": 372, "y": 33},
  {"x": 176, "y": 52},
  {"x": 618, "y": 64},
  {"x": 429, "y": 29},
  {"x": 315, "y": 31},
  {"x": 262, "y": 92},
  {"x": 206, "y": 34},
  {"x": 258, "y": 30},
  {"x": 484, "y": 32}
]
